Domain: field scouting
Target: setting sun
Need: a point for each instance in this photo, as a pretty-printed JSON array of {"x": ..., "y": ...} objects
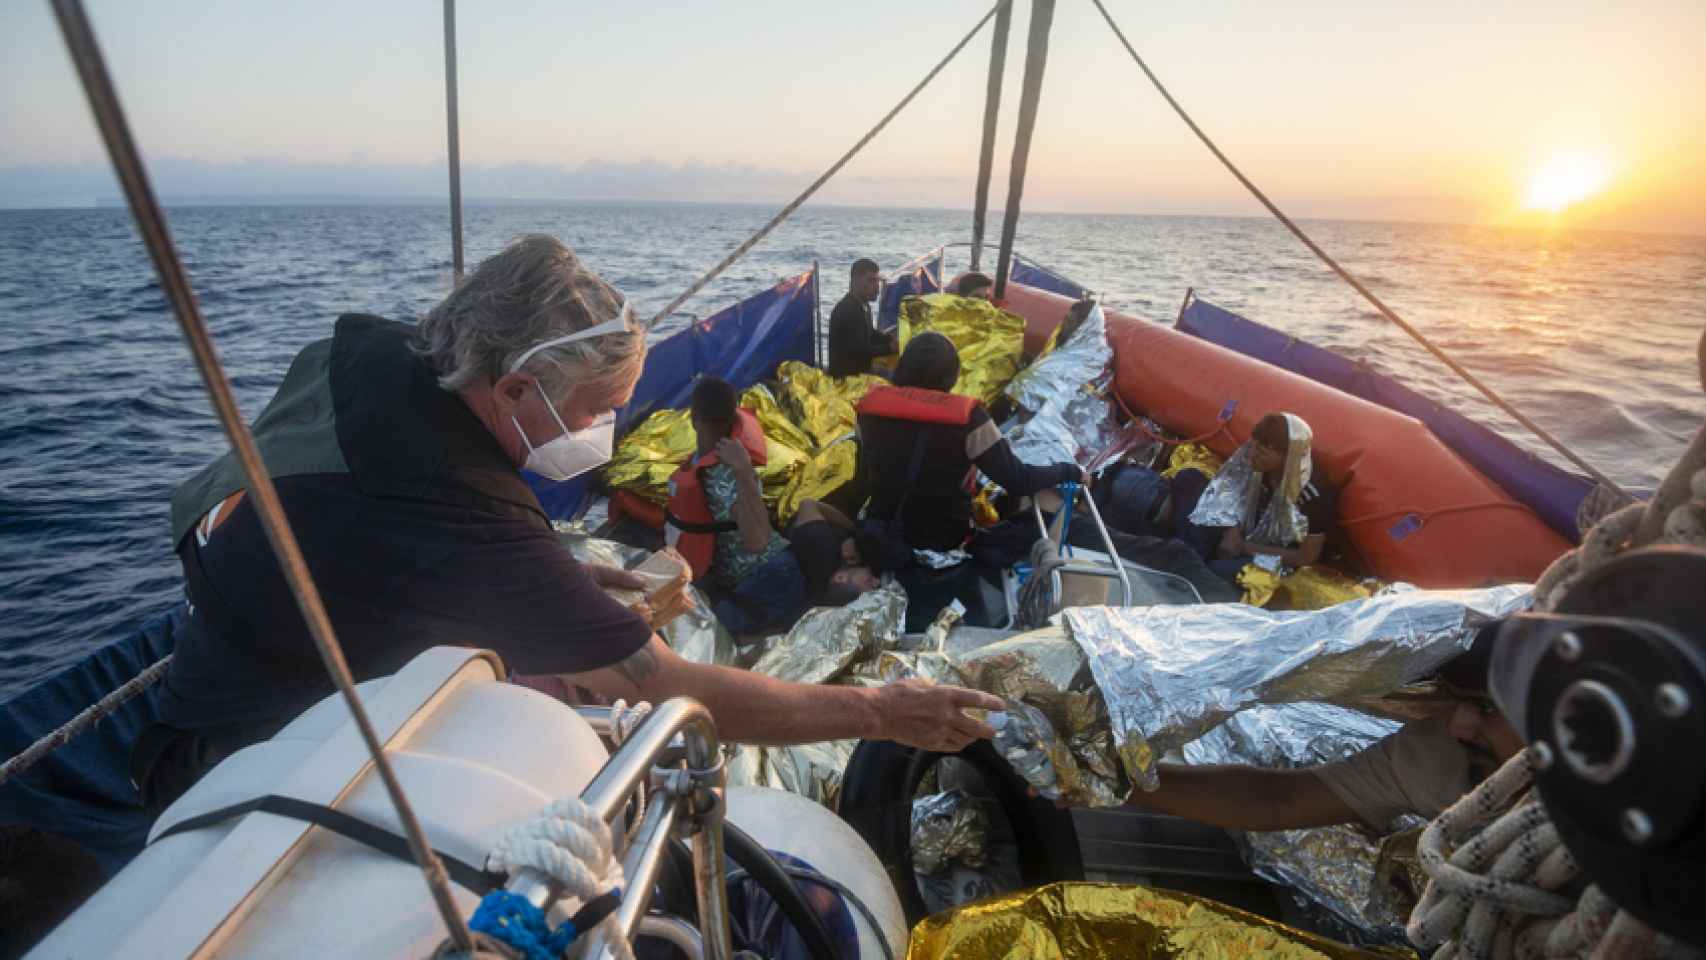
[{"x": 1567, "y": 178}]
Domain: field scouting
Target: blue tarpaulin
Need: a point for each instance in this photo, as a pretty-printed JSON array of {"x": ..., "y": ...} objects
[
  {"x": 743, "y": 344},
  {"x": 1042, "y": 278},
  {"x": 1553, "y": 493},
  {"x": 82, "y": 790},
  {"x": 915, "y": 279}
]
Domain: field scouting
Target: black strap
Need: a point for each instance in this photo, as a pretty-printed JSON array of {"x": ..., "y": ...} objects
[
  {"x": 467, "y": 875},
  {"x": 688, "y": 526},
  {"x": 595, "y": 910}
]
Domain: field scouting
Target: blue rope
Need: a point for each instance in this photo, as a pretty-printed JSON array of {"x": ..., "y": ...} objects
[
  {"x": 513, "y": 919},
  {"x": 1070, "y": 489}
]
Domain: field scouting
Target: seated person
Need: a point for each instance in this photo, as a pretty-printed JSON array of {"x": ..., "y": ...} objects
[
  {"x": 854, "y": 340},
  {"x": 717, "y": 519},
  {"x": 918, "y": 444},
  {"x": 918, "y": 447},
  {"x": 975, "y": 285},
  {"x": 1269, "y": 499},
  {"x": 1422, "y": 769}
]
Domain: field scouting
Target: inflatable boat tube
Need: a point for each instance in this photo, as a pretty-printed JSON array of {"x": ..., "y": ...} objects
[{"x": 1412, "y": 508}]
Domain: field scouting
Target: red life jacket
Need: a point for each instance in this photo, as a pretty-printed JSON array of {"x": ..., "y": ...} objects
[
  {"x": 689, "y": 515},
  {"x": 919, "y": 404}
]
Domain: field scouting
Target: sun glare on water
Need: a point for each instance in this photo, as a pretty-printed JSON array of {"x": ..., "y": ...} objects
[{"x": 1566, "y": 179}]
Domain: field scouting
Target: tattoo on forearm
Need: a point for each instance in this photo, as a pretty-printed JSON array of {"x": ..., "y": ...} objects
[{"x": 639, "y": 667}]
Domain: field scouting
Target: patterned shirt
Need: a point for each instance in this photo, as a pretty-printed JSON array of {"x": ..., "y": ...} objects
[{"x": 732, "y": 562}]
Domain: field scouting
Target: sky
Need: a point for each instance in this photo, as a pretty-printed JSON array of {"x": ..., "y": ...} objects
[{"x": 1447, "y": 111}]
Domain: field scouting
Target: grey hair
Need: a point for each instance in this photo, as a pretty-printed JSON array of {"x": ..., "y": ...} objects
[{"x": 535, "y": 290}]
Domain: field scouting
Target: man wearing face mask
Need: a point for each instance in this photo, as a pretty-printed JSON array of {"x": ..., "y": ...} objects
[{"x": 396, "y": 451}]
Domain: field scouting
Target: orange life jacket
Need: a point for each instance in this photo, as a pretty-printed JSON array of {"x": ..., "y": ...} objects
[
  {"x": 919, "y": 404},
  {"x": 689, "y": 517}
]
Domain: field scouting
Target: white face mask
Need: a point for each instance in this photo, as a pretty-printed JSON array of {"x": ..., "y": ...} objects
[{"x": 574, "y": 452}]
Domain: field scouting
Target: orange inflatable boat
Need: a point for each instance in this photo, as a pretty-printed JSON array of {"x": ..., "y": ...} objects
[{"x": 1413, "y": 509}]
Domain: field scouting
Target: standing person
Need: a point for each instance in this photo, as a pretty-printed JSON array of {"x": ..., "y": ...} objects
[
  {"x": 854, "y": 340},
  {"x": 397, "y": 453}
]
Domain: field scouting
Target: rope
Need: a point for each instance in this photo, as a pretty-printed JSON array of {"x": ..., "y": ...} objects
[
  {"x": 1426, "y": 515},
  {"x": 175, "y": 284},
  {"x": 623, "y": 721},
  {"x": 1356, "y": 284},
  {"x": 1036, "y": 595},
  {"x": 1497, "y": 893},
  {"x": 1071, "y": 502},
  {"x": 571, "y": 844},
  {"x": 834, "y": 168},
  {"x": 83, "y": 721},
  {"x": 1143, "y": 428}
]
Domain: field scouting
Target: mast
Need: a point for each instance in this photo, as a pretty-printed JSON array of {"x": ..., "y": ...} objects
[
  {"x": 1036, "y": 57},
  {"x": 453, "y": 133},
  {"x": 991, "y": 112}
]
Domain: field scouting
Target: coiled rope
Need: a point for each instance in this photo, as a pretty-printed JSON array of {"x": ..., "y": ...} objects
[
  {"x": 570, "y": 843},
  {"x": 834, "y": 168},
  {"x": 1356, "y": 284},
  {"x": 83, "y": 721},
  {"x": 1495, "y": 875}
]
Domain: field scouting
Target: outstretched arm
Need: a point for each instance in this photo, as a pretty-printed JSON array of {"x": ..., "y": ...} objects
[
  {"x": 754, "y": 708},
  {"x": 1244, "y": 798},
  {"x": 998, "y": 463},
  {"x": 812, "y": 511}
]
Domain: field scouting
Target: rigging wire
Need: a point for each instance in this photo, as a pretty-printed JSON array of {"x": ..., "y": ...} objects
[
  {"x": 151, "y": 223},
  {"x": 1356, "y": 284},
  {"x": 834, "y": 168}
]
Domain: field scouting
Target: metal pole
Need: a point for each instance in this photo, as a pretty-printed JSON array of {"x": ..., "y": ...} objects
[
  {"x": 1036, "y": 57},
  {"x": 151, "y": 223},
  {"x": 630, "y": 766},
  {"x": 454, "y": 134},
  {"x": 991, "y": 113},
  {"x": 645, "y": 856},
  {"x": 834, "y": 168},
  {"x": 817, "y": 314}
]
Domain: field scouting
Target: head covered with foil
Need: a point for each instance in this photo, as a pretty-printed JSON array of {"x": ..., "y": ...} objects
[{"x": 1274, "y": 460}]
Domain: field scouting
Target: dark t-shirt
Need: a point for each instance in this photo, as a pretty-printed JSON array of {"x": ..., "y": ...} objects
[
  {"x": 397, "y": 576},
  {"x": 854, "y": 340},
  {"x": 817, "y": 547}
]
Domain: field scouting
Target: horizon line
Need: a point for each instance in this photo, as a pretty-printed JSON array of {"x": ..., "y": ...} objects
[{"x": 208, "y": 201}]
